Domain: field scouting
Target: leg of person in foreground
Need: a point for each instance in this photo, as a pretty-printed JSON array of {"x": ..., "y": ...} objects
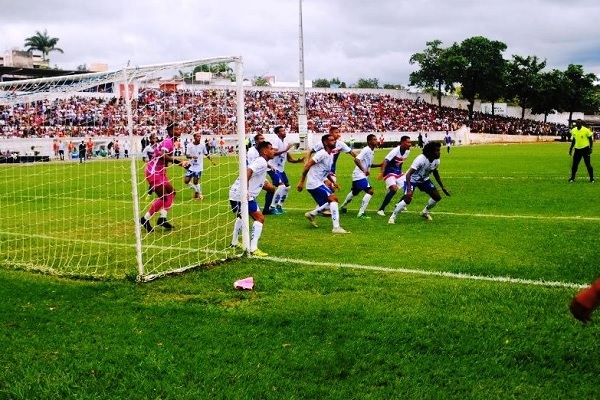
[
  {"x": 585, "y": 302},
  {"x": 163, "y": 203}
]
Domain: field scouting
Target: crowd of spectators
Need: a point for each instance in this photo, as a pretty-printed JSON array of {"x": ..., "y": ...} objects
[{"x": 212, "y": 111}]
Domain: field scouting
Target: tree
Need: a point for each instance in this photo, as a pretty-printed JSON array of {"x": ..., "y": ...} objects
[
  {"x": 475, "y": 64},
  {"x": 525, "y": 80},
  {"x": 337, "y": 82},
  {"x": 434, "y": 71},
  {"x": 320, "y": 83},
  {"x": 370, "y": 83},
  {"x": 260, "y": 81},
  {"x": 579, "y": 92},
  {"x": 549, "y": 93},
  {"x": 42, "y": 42},
  {"x": 82, "y": 68}
]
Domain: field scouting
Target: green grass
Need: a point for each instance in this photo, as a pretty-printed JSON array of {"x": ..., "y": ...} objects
[{"x": 315, "y": 329}]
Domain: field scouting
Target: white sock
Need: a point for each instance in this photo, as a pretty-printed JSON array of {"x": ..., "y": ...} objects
[
  {"x": 284, "y": 193},
  {"x": 348, "y": 199},
  {"x": 237, "y": 229},
  {"x": 400, "y": 206},
  {"x": 365, "y": 202},
  {"x": 430, "y": 204},
  {"x": 163, "y": 213},
  {"x": 335, "y": 214},
  {"x": 255, "y": 235}
]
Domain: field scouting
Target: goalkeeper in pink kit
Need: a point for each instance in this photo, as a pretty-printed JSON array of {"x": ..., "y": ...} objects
[{"x": 156, "y": 175}]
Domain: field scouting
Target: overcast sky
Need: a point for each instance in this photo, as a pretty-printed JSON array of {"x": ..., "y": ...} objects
[{"x": 348, "y": 39}]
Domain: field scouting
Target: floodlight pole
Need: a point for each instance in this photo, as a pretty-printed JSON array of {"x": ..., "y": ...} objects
[{"x": 302, "y": 117}]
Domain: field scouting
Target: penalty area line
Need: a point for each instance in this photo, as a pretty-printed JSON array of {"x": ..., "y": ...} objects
[{"x": 499, "y": 279}]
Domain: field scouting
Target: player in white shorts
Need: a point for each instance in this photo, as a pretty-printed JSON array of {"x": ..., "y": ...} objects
[
  {"x": 360, "y": 180},
  {"x": 417, "y": 176},
  {"x": 196, "y": 151},
  {"x": 316, "y": 172},
  {"x": 391, "y": 171}
]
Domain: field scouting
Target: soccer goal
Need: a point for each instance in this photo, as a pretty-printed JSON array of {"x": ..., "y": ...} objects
[{"x": 72, "y": 170}]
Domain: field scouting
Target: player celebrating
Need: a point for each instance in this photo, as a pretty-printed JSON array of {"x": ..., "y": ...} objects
[
  {"x": 418, "y": 177},
  {"x": 156, "y": 175},
  {"x": 360, "y": 181},
  {"x": 391, "y": 171},
  {"x": 256, "y": 174},
  {"x": 318, "y": 169},
  {"x": 196, "y": 152},
  {"x": 278, "y": 175}
]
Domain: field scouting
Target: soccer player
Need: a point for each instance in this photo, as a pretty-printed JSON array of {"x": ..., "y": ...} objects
[
  {"x": 196, "y": 152},
  {"x": 417, "y": 176},
  {"x": 448, "y": 141},
  {"x": 585, "y": 302},
  {"x": 391, "y": 171},
  {"x": 583, "y": 141},
  {"x": 340, "y": 147},
  {"x": 320, "y": 184},
  {"x": 274, "y": 202},
  {"x": 360, "y": 180},
  {"x": 256, "y": 174},
  {"x": 156, "y": 176}
]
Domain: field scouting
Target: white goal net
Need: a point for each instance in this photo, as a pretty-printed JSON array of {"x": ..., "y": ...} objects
[{"x": 73, "y": 153}]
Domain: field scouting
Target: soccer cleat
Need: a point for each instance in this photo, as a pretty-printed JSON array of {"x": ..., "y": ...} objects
[
  {"x": 339, "y": 230},
  {"x": 426, "y": 216},
  {"x": 381, "y": 212},
  {"x": 235, "y": 246},
  {"x": 343, "y": 210},
  {"x": 146, "y": 224},
  {"x": 280, "y": 210},
  {"x": 311, "y": 219},
  {"x": 198, "y": 196},
  {"x": 592, "y": 181},
  {"x": 164, "y": 223},
  {"x": 392, "y": 220},
  {"x": 580, "y": 312},
  {"x": 275, "y": 211},
  {"x": 571, "y": 180},
  {"x": 259, "y": 253},
  {"x": 363, "y": 216}
]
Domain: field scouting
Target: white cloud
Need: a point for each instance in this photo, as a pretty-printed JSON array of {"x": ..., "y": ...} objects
[{"x": 349, "y": 39}]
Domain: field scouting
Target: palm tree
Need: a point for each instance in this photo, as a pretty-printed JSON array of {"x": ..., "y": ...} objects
[{"x": 42, "y": 42}]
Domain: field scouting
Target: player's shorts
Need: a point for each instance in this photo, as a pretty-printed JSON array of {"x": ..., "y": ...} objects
[
  {"x": 156, "y": 180},
  {"x": 394, "y": 179},
  {"x": 236, "y": 206},
  {"x": 321, "y": 194},
  {"x": 360, "y": 185},
  {"x": 278, "y": 177},
  {"x": 426, "y": 186},
  {"x": 193, "y": 174}
]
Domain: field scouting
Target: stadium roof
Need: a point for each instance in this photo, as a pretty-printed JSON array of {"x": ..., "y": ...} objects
[{"x": 18, "y": 73}]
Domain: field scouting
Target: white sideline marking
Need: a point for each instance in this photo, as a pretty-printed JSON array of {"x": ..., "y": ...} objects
[{"x": 501, "y": 279}]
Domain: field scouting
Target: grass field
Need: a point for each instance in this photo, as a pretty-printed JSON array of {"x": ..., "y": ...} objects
[{"x": 470, "y": 305}]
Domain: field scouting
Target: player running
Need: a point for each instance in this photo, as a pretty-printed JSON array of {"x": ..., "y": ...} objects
[
  {"x": 360, "y": 180},
  {"x": 418, "y": 177},
  {"x": 391, "y": 171}
]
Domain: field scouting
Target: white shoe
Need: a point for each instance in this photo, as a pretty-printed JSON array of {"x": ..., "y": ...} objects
[
  {"x": 426, "y": 216},
  {"x": 339, "y": 230},
  {"x": 392, "y": 220},
  {"x": 311, "y": 219},
  {"x": 381, "y": 212}
]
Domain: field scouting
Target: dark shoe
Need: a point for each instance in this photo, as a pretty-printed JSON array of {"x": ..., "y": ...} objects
[
  {"x": 146, "y": 224},
  {"x": 164, "y": 223},
  {"x": 580, "y": 312}
]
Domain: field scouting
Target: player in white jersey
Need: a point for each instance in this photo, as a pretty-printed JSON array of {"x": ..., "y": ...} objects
[
  {"x": 195, "y": 152},
  {"x": 391, "y": 171},
  {"x": 256, "y": 174},
  {"x": 317, "y": 172},
  {"x": 274, "y": 202},
  {"x": 340, "y": 147},
  {"x": 417, "y": 176},
  {"x": 360, "y": 180}
]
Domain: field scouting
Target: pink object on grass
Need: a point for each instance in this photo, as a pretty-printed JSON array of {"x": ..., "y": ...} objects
[{"x": 246, "y": 283}]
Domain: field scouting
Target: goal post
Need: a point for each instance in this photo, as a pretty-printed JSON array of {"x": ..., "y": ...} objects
[{"x": 72, "y": 170}]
